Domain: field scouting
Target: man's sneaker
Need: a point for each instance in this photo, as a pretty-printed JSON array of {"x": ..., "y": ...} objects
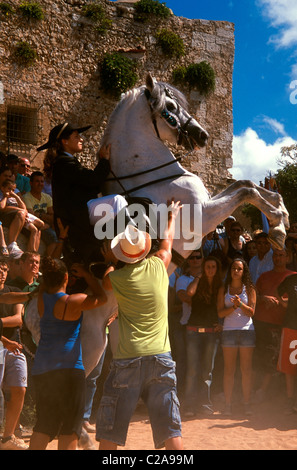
[
  {"x": 14, "y": 249},
  {"x": 19, "y": 432},
  {"x": 14, "y": 444}
]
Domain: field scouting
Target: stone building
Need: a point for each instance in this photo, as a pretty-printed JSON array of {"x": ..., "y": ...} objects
[{"x": 63, "y": 84}]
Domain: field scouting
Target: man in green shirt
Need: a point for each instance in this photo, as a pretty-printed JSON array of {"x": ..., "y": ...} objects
[{"x": 142, "y": 366}]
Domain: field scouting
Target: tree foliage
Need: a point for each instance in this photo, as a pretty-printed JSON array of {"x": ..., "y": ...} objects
[{"x": 286, "y": 178}]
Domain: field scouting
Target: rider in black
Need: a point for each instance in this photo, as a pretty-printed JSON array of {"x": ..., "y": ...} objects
[{"x": 73, "y": 185}]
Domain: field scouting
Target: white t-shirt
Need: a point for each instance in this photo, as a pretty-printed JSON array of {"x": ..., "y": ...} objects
[{"x": 237, "y": 320}]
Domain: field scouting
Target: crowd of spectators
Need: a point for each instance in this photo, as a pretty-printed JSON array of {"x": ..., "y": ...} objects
[
  {"x": 27, "y": 236},
  {"x": 233, "y": 299},
  {"x": 254, "y": 320}
]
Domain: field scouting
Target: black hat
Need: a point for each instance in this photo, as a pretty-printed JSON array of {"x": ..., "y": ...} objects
[
  {"x": 12, "y": 158},
  {"x": 61, "y": 131}
]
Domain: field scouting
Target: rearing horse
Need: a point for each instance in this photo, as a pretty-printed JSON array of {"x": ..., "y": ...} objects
[{"x": 143, "y": 166}]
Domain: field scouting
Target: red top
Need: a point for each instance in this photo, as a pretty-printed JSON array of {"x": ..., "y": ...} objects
[{"x": 267, "y": 284}]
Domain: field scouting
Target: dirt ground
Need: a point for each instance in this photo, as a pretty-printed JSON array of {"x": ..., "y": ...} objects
[{"x": 269, "y": 428}]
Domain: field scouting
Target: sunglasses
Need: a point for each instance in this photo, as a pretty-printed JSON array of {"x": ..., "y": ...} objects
[{"x": 195, "y": 257}]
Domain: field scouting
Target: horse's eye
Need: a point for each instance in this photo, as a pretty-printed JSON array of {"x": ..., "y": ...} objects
[{"x": 170, "y": 106}]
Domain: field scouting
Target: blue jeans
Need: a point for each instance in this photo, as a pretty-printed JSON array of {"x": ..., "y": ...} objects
[
  {"x": 151, "y": 378},
  {"x": 91, "y": 386},
  {"x": 201, "y": 352},
  {"x": 179, "y": 354}
]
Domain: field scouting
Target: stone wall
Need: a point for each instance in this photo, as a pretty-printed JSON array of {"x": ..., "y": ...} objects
[{"x": 64, "y": 83}]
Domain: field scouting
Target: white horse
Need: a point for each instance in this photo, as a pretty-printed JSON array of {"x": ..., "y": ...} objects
[{"x": 143, "y": 166}]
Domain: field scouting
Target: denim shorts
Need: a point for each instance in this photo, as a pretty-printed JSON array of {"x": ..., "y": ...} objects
[
  {"x": 49, "y": 236},
  {"x": 238, "y": 338},
  {"x": 151, "y": 378},
  {"x": 14, "y": 370}
]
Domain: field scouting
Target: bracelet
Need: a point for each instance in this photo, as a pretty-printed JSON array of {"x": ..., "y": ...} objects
[{"x": 110, "y": 264}]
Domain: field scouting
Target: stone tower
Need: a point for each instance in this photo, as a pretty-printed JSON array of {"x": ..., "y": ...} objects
[{"x": 64, "y": 81}]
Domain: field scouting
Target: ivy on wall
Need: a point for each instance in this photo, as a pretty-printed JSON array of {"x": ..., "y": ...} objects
[
  {"x": 118, "y": 73},
  {"x": 171, "y": 44},
  {"x": 31, "y": 10},
  {"x": 24, "y": 53},
  {"x": 145, "y": 9},
  {"x": 201, "y": 76},
  {"x": 96, "y": 13}
]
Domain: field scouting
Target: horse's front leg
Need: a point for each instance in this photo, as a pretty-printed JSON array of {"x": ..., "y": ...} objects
[
  {"x": 222, "y": 205},
  {"x": 273, "y": 198}
]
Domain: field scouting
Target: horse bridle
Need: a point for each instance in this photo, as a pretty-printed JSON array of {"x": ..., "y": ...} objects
[{"x": 172, "y": 121}]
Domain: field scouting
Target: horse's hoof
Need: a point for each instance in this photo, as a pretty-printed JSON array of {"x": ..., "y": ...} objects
[{"x": 277, "y": 238}]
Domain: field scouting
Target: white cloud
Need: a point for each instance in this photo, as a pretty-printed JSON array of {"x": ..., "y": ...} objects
[
  {"x": 283, "y": 15},
  {"x": 275, "y": 125},
  {"x": 253, "y": 158}
]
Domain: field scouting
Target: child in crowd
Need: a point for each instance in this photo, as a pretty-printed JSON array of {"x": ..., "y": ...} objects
[{"x": 11, "y": 202}]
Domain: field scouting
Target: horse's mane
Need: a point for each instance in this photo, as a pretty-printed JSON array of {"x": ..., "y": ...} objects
[
  {"x": 157, "y": 101},
  {"x": 127, "y": 99},
  {"x": 158, "y": 97}
]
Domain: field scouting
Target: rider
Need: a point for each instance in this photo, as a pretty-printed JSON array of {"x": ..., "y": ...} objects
[{"x": 75, "y": 188}]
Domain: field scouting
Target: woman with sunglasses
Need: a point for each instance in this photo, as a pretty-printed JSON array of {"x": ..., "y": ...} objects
[
  {"x": 236, "y": 305},
  {"x": 202, "y": 337},
  {"x": 234, "y": 244}
]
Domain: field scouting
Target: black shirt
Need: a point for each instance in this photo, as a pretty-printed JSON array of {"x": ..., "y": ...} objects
[
  {"x": 73, "y": 186},
  {"x": 204, "y": 314},
  {"x": 8, "y": 311},
  {"x": 289, "y": 287}
]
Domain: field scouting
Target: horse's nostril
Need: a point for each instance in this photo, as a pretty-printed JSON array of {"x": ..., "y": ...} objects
[{"x": 204, "y": 135}]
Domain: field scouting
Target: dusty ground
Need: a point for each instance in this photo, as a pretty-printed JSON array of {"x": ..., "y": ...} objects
[{"x": 269, "y": 428}]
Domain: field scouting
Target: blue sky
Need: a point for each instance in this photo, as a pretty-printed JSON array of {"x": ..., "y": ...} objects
[{"x": 265, "y": 68}]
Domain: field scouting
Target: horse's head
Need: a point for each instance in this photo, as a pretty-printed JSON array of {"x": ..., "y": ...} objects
[{"x": 170, "y": 116}]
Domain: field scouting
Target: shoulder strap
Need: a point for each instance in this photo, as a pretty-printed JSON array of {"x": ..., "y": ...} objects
[{"x": 63, "y": 316}]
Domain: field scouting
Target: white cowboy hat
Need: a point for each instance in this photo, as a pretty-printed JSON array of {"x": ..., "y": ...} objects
[{"x": 132, "y": 245}]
